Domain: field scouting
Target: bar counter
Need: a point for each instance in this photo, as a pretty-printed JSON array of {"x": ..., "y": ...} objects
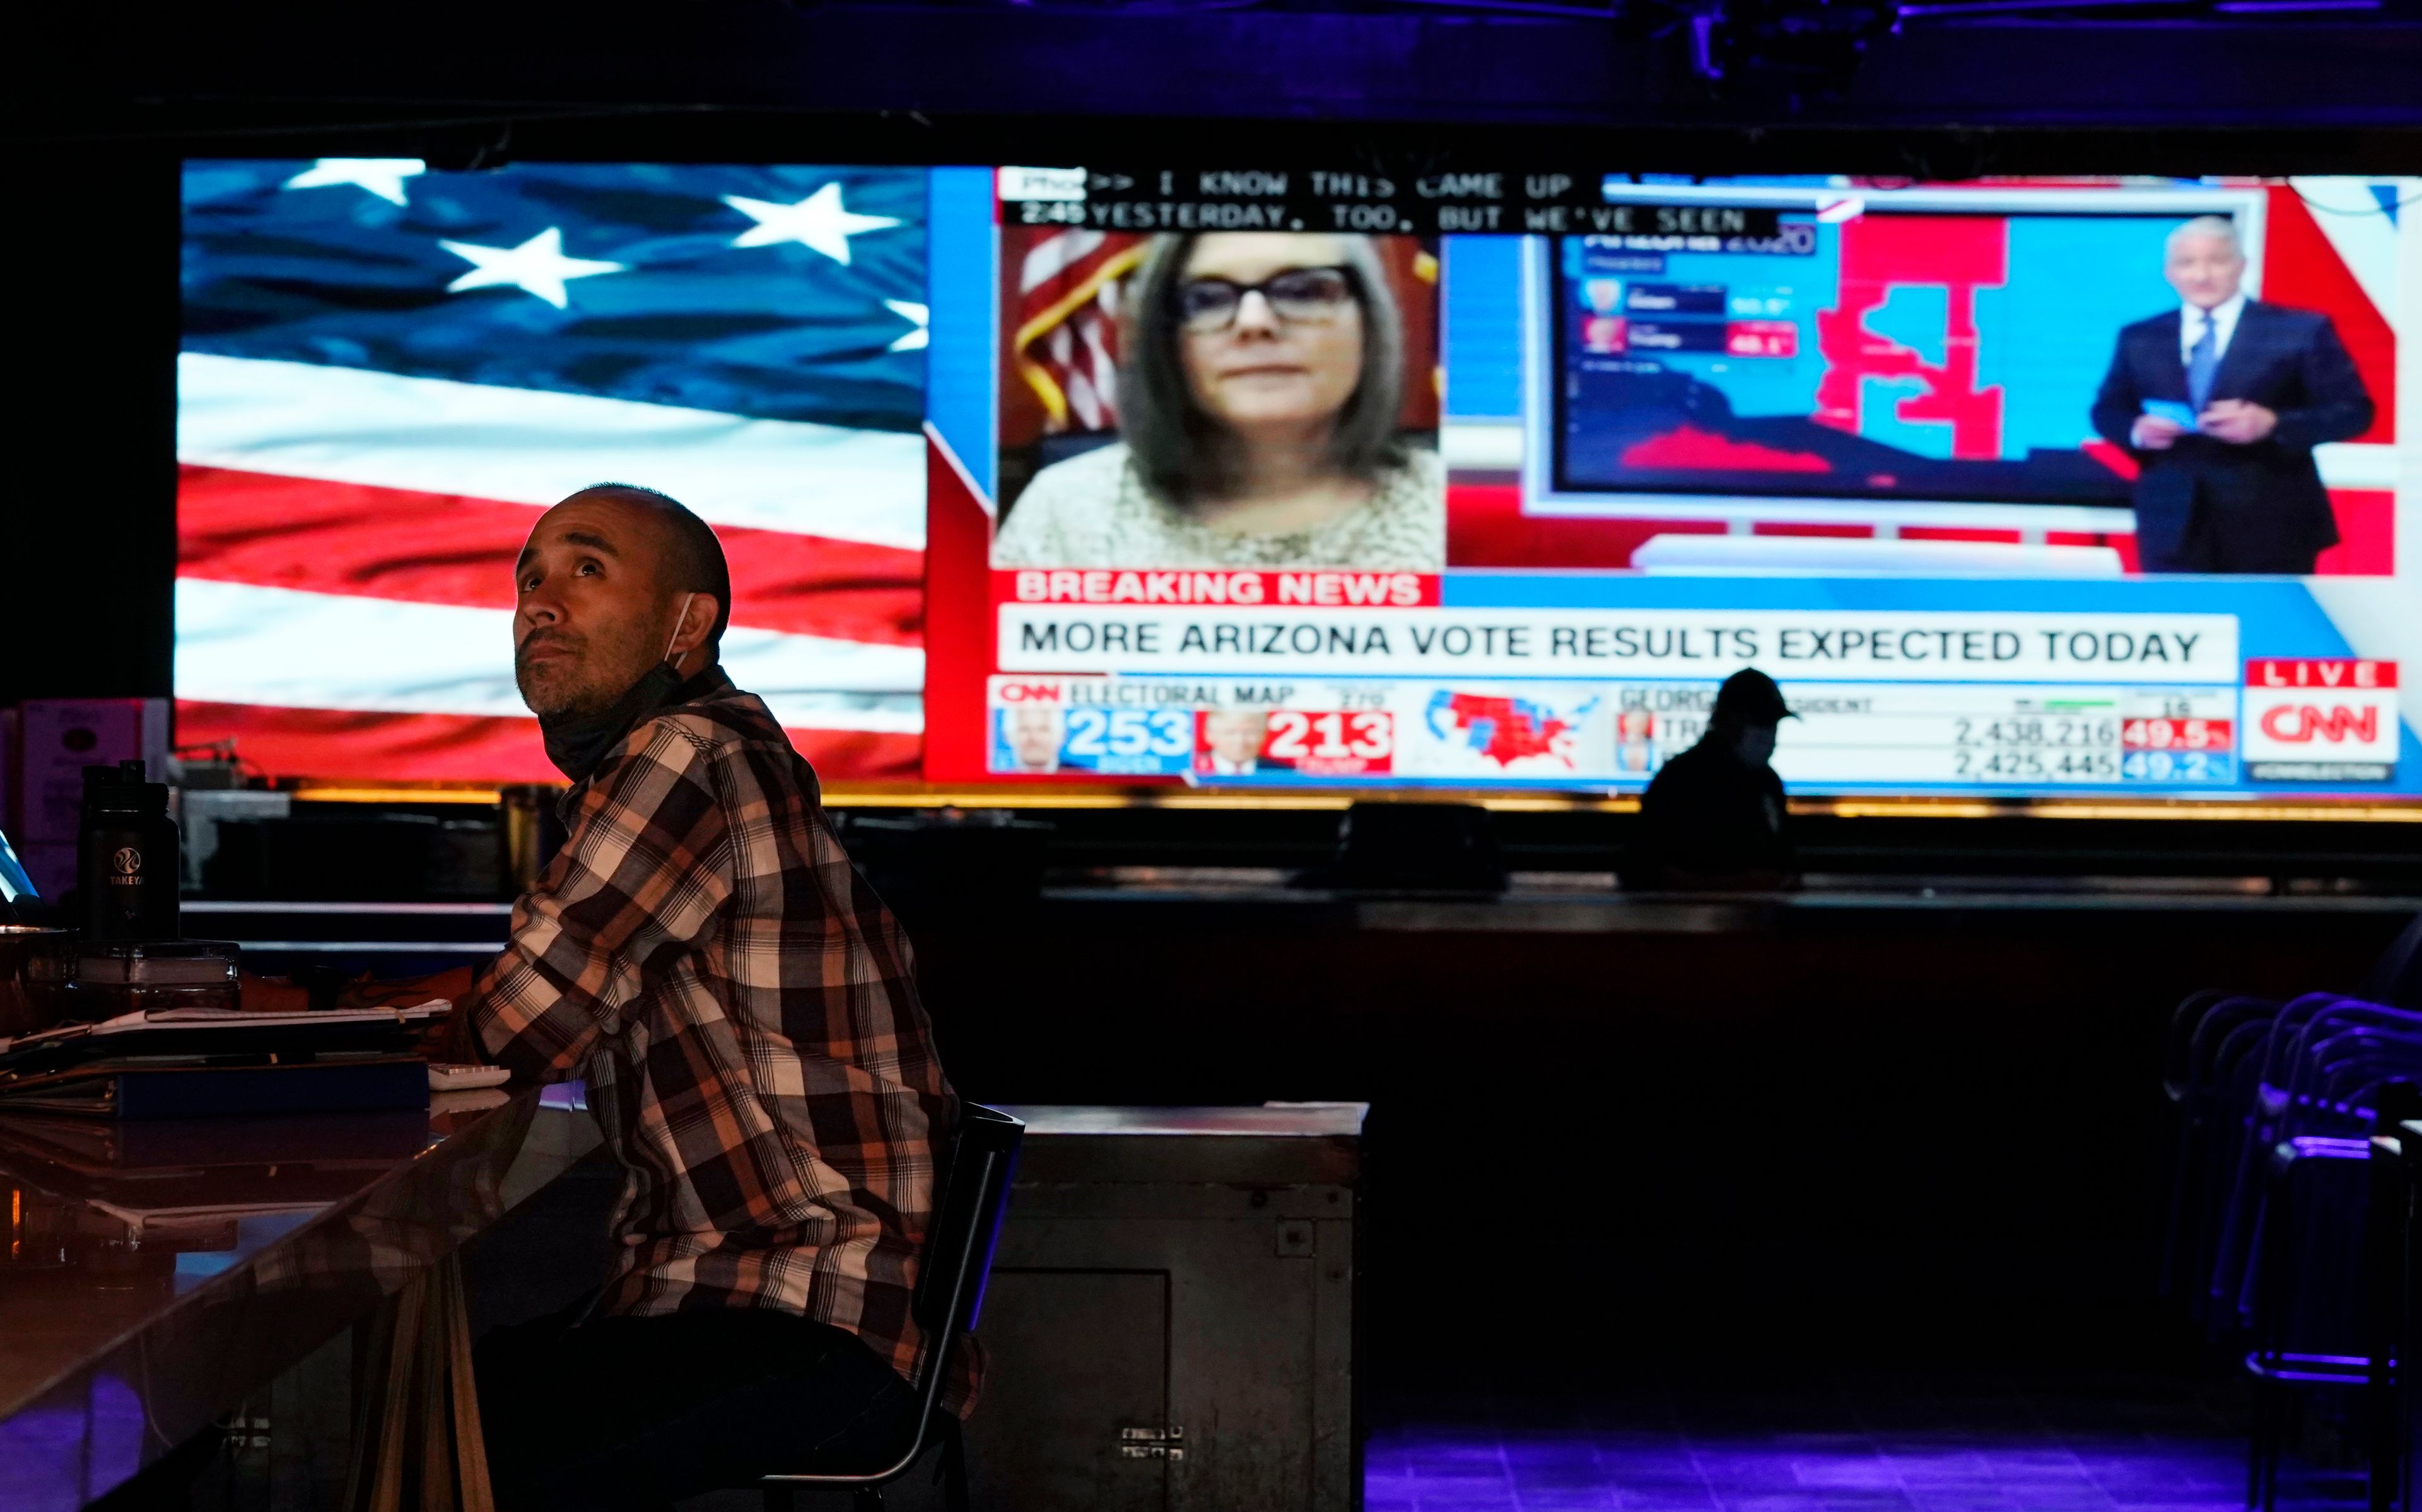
[
  {"x": 403, "y": 939},
  {"x": 155, "y": 1275}
]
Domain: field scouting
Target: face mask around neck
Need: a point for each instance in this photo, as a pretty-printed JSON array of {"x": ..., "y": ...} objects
[{"x": 579, "y": 744}]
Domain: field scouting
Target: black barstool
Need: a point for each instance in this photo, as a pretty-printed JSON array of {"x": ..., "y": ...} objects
[{"x": 950, "y": 1295}]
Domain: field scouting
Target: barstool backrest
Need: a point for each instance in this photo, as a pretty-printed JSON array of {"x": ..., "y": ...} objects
[
  {"x": 967, "y": 1208},
  {"x": 971, "y": 1194}
]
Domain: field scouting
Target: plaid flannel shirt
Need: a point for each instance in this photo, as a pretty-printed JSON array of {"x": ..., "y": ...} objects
[{"x": 741, "y": 1004}]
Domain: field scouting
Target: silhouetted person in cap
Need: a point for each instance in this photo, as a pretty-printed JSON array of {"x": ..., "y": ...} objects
[{"x": 1713, "y": 819}]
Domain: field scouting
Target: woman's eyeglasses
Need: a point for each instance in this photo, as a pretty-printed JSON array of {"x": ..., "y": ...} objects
[{"x": 1299, "y": 296}]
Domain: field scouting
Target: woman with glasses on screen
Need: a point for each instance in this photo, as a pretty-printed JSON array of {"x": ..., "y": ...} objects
[{"x": 1258, "y": 397}]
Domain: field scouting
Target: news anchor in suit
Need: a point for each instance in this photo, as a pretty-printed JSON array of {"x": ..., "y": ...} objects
[{"x": 2222, "y": 402}]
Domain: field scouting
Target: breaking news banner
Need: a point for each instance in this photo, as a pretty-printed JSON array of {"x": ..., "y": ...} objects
[
  {"x": 1828, "y": 644},
  {"x": 1326, "y": 589},
  {"x": 1210, "y": 678}
]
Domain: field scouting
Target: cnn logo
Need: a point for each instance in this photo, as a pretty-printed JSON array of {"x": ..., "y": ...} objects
[{"x": 2302, "y": 723}]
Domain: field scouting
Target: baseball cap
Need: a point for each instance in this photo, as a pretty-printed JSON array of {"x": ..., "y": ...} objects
[{"x": 1749, "y": 696}]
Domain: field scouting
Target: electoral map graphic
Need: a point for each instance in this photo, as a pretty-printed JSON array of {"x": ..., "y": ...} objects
[
  {"x": 1510, "y": 731},
  {"x": 1946, "y": 356}
]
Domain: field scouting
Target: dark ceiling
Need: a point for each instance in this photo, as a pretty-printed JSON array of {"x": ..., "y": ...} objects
[{"x": 944, "y": 81}]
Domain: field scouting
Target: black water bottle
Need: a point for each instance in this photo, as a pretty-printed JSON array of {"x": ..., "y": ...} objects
[{"x": 126, "y": 866}]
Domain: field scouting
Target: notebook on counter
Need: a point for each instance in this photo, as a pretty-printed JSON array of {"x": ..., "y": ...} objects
[{"x": 191, "y": 1063}]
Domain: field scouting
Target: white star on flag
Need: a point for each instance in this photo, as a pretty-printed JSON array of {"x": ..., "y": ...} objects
[
  {"x": 538, "y": 266},
  {"x": 915, "y": 315},
  {"x": 383, "y": 176},
  {"x": 820, "y": 221}
]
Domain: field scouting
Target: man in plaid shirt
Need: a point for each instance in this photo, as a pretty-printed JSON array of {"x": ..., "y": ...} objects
[{"x": 741, "y": 1004}]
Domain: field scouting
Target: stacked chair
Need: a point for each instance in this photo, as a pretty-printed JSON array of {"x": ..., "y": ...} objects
[{"x": 2286, "y": 1235}]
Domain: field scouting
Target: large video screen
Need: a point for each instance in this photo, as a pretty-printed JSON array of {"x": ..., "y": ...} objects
[{"x": 1271, "y": 480}]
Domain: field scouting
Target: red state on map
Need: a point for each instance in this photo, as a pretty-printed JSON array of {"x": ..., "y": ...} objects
[
  {"x": 1688, "y": 447},
  {"x": 1515, "y": 728},
  {"x": 1958, "y": 253}
]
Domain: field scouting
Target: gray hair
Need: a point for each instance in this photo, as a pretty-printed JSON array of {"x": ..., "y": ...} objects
[
  {"x": 1183, "y": 454},
  {"x": 2221, "y": 226}
]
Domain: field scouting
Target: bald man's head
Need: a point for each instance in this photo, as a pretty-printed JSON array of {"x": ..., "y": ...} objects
[
  {"x": 693, "y": 561},
  {"x": 612, "y": 581}
]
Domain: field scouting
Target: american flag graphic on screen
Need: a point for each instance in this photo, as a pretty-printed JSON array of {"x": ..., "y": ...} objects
[
  {"x": 387, "y": 373},
  {"x": 1069, "y": 285}
]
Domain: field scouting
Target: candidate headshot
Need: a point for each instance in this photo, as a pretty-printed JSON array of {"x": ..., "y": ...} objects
[
  {"x": 1030, "y": 738},
  {"x": 1259, "y": 386},
  {"x": 1232, "y": 742},
  {"x": 2221, "y": 402}
]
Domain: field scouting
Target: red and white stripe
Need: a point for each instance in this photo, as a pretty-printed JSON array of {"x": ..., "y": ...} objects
[
  {"x": 1079, "y": 350},
  {"x": 346, "y": 541}
]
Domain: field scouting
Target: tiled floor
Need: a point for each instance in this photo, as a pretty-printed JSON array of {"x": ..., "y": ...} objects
[{"x": 1876, "y": 1444}]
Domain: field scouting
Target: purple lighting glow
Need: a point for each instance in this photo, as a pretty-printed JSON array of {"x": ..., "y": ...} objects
[{"x": 1886, "y": 1444}]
